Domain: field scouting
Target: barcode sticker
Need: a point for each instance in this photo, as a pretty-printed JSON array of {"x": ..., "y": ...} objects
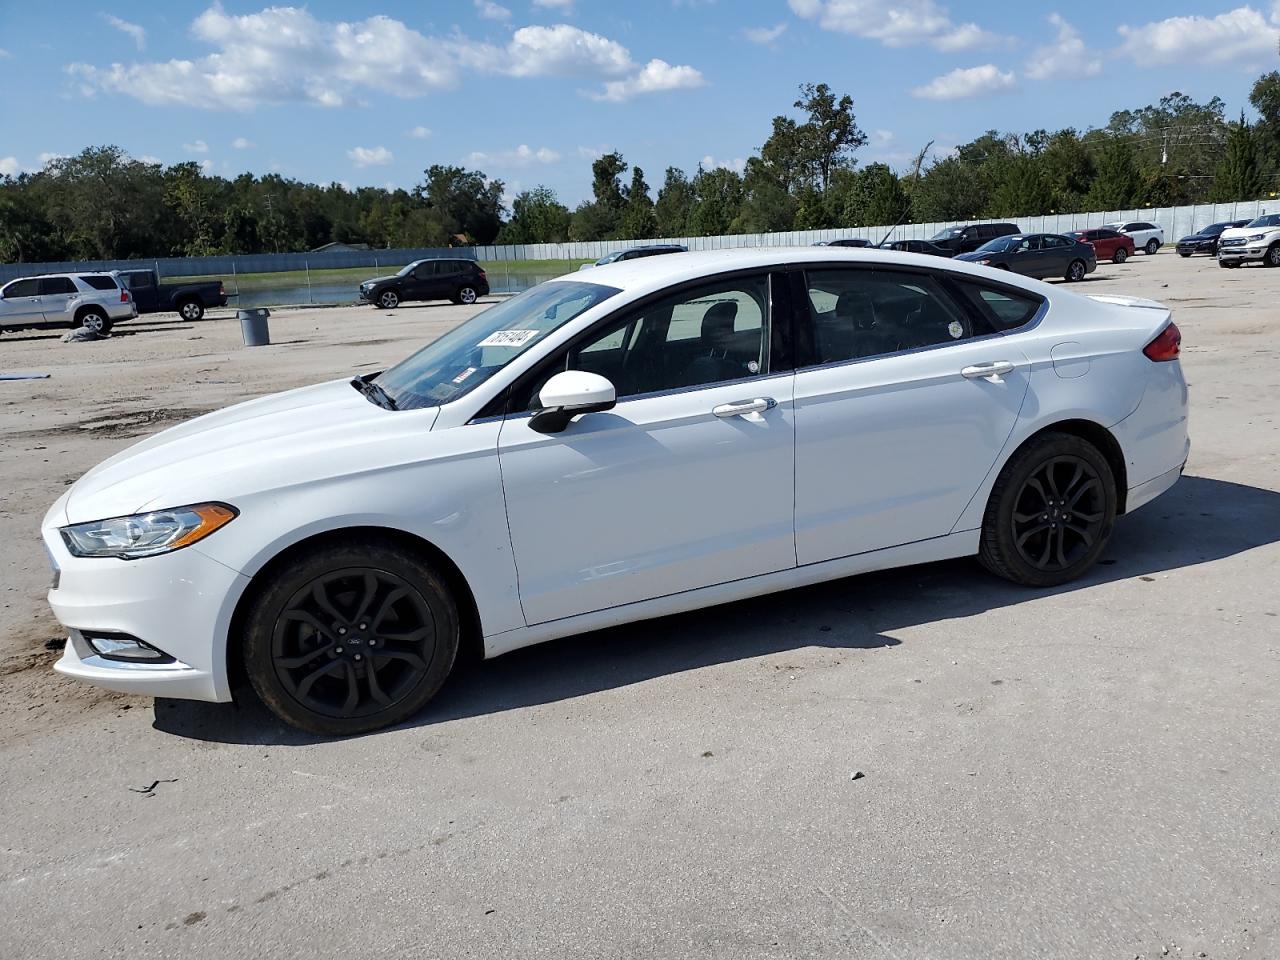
[{"x": 508, "y": 338}]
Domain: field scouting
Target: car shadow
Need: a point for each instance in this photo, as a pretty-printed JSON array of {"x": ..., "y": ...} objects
[{"x": 1199, "y": 521}]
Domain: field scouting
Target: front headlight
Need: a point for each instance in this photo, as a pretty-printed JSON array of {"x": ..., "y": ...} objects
[
  {"x": 984, "y": 262},
  {"x": 1256, "y": 236},
  {"x": 146, "y": 534}
]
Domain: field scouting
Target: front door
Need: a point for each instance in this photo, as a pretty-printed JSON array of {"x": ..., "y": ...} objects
[
  {"x": 896, "y": 425},
  {"x": 686, "y": 483},
  {"x": 20, "y": 304}
]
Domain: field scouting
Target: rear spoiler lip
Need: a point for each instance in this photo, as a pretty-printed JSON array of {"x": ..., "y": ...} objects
[{"x": 1122, "y": 301}]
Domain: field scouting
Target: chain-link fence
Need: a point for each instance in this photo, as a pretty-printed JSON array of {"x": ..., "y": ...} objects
[{"x": 334, "y": 276}]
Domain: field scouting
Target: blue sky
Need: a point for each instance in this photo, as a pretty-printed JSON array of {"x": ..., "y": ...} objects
[{"x": 530, "y": 90}]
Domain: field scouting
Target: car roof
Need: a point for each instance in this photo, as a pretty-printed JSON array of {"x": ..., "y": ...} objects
[
  {"x": 66, "y": 273},
  {"x": 650, "y": 274}
]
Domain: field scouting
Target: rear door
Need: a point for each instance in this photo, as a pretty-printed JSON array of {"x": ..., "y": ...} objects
[
  {"x": 20, "y": 304},
  {"x": 1056, "y": 257},
  {"x": 901, "y": 409},
  {"x": 54, "y": 294}
]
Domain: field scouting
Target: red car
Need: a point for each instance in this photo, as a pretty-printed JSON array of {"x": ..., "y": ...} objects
[{"x": 1107, "y": 243}]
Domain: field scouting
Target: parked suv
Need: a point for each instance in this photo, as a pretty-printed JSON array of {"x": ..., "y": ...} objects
[
  {"x": 94, "y": 301},
  {"x": 635, "y": 253},
  {"x": 1147, "y": 237},
  {"x": 461, "y": 281},
  {"x": 1259, "y": 239},
  {"x": 966, "y": 239},
  {"x": 1205, "y": 240},
  {"x": 1109, "y": 244}
]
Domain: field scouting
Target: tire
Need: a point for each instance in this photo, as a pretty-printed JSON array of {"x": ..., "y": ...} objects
[
  {"x": 1049, "y": 549},
  {"x": 1076, "y": 271},
  {"x": 1152, "y": 246},
  {"x": 387, "y": 300},
  {"x": 1184, "y": 256},
  {"x": 466, "y": 295},
  {"x": 191, "y": 310},
  {"x": 1272, "y": 259},
  {"x": 317, "y": 648},
  {"x": 1120, "y": 256},
  {"x": 94, "y": 319},
  {"x": 1228, "y": 264}
]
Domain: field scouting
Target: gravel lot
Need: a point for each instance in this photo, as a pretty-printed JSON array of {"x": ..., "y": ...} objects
[{"x": 1091, "y": 771}]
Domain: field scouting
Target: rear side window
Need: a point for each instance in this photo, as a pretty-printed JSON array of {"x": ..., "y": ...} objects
[
  {"x": 54, "y": 285},
  {"x": 859, "y": 313},
  {"x": 99, "y": 283},
  {"x": 1004, "y": 308},
  {"x": 138, "y": 281}
]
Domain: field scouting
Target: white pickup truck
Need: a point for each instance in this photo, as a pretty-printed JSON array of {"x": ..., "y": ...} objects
[{"x": 1257, "y": 240}]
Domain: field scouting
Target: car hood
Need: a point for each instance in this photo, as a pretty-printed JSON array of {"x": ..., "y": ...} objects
[
  {"x": 974, "y": 256},
  {"x": 377, "y": 280},
  {"x": 279, "y": 440},
  {"x": 1246, "y": 232},
  {"x": 1195, "y": 237}
]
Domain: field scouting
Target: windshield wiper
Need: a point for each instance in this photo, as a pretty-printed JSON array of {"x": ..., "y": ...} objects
[{"x": 374, "y": 393}]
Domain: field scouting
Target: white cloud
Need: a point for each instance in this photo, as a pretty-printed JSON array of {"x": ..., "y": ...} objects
[
  {"x": 9, "y": 167},
  {"x": 1066, "y": 56},
  {"x": 285, "y": 55},
  {"x": 882, "y": 138},
  {"x": 521, "y": 156},
  {"x": 198, "y": 146},
  {"x": 206, "y": 166},
  {"x": 737, "y": 164},
  {"x": 1244, "y": 37},
  {"x": 492, "y": 11},
  {"x": 594, "y": 153},
  {"x": 148, "y": 158},
  {"x": 898, "y": 24},
  {"x": 4, "y": 54},
  {"x": 657, "y": 76},
  {"x": 564, "y": 6},
  {"x": 138, "y": 33},
  {"x": 241, "y": 143},
  {"x": 962, "y": 82},
  {"x": 764, "y": 35},
  {"x": 418, "y": 133},
  {"x": 47, "y": 158},
  {"x": 370, "y": 156}
]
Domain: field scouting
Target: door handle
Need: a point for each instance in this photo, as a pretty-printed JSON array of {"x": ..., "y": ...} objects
[
  {"x": 741, "y": 408},
  {"x": 988, "y": 371}
]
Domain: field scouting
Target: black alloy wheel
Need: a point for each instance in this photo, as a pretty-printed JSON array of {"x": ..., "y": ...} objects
[
  {"x": 1076, "y": 271},
  {"x": 351, "y": 639},
  {"x": 1120, "y": 256},
  {"x": 1051, "y": 512}
]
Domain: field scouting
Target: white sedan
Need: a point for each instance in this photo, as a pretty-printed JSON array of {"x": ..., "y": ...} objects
[{"x": 669, "y": 433}]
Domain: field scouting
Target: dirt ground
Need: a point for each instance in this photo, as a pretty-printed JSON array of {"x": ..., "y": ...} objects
[{"x": 1090, "y": 771}]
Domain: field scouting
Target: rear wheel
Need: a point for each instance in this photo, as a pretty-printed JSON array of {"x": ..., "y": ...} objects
[
  {"x": 467, "y": 295},
  {"x": 1051, "y": 512},
  {"x": 388, "y": 300},
  {"x": 191, "y": 310},
  {"x": 351, "y": 638},
  {"x": 1120, "y": 256},
  {"x": 1076, "y": 271},
  {"x": 94, "y": 320},
  {"x": 1272, "y": 258},
  {"x": 1152, "y": 246}
]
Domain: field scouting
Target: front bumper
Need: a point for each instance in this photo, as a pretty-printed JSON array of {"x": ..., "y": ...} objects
[
  {"x": 1202, "y": 247},
  {"x": 179, "y": 603},
  {"x": 1253, "y": 251}
]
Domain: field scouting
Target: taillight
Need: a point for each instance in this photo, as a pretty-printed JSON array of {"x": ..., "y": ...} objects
[
  {"x": 1166, "y": 346},
  {"x": 222, "y": 291},
  {"x": 483, "y": 275},
  {"x": 124, "y": 295}
]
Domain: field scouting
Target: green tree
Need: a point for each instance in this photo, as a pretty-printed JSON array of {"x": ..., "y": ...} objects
[
  {"x": 830, "y": 136},
  {"x": 467, "y": 201},
  {"x": 1118, "y": 184},
  {"x": 717, "y": 201},
  {"x": 638, "y": 221},
  {"x": 1022, "y": 190},
  {"x": 1240, "y": 175},
  {"x": 537, "y": 216},
  {"x": 1265, "y": 97},
  {"x": 674, "y": 204},
  {"x": 950, "y": 190}
]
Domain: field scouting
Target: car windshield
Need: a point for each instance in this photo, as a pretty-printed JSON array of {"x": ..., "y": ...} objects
[
  {"x": 1270, "y": 220},
  {"x": 408, "y": 268},
  {"x": 1000, "y": 244},
  {"x": 947, "y": 234},
  {"x": 468, "y": 355},
  {"x": 608, "y": 258},
  {"x": 1214, "y": 229}
]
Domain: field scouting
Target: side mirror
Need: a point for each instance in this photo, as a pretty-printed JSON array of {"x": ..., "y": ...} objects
[{"x": 568, "y": 394}]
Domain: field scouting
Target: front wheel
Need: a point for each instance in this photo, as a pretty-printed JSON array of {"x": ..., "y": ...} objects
[
  {"x": 1120, "y": 256},
  {"x": 1272, "y": 258},
  {"x": 1076, "y": 271},
  {"x": 1152, "y": 246},
  {"x": 191, "y": 310},
  {"x": 388, "y": 300},
  {"x": 1183, "y": 255},
  {"x": 1051, "y": 512},
  {"x": 351, "y": 638},
  {"x": 1228, "y": 264}
]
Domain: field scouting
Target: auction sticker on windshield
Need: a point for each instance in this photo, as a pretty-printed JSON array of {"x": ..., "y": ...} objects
[{"x": 508, "y": 338}]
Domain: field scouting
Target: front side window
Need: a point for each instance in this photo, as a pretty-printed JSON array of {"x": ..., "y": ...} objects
[
  {"x": 704, "y": 335},
  {"x": 22, "y": 288},
  {"x": 1000, "y": 245},
  {"x": 470, "y": 354},
  {"x": 867, "y": 313}
]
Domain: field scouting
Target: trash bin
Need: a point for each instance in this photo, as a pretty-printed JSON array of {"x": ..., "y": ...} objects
[{"x": 253, "y": 327}]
